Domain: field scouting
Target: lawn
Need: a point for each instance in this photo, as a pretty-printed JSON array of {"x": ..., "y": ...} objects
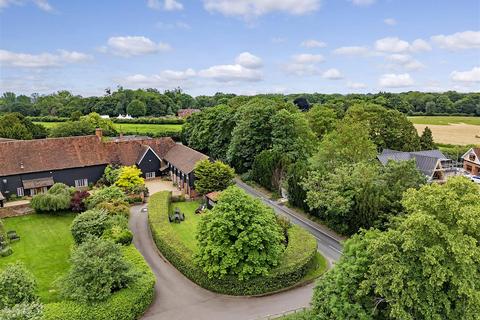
[
  {"x": 432, "y": 120},
  {"x": 186, "y": 230},
  {"x": 44, "y": 248},
  {"x": 132, "y": 128}
]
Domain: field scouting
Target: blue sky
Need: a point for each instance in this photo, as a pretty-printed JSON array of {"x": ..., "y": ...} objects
[{"x": 240, "y": 46}]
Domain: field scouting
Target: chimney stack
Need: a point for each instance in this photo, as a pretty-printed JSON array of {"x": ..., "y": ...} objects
[{"x": 99, "y": 133}]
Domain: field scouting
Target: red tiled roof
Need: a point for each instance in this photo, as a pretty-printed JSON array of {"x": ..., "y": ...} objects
[{"x": 213, "y": 195}]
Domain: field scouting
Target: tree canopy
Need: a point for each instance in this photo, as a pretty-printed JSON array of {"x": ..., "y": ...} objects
[{"x": 212, "y": 176}]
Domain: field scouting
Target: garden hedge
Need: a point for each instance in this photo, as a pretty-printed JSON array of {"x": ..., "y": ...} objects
[
  {"x": 293, "y": 266},
  {"x": 127, "y": 304}
]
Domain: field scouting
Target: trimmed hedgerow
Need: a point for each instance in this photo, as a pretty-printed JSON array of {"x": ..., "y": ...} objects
[
  {"x": 292, "y": 268},
  {"x": 127, "y": 304}
]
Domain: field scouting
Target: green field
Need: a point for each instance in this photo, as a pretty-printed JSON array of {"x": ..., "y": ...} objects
[
  {"x": 432, "y": 120},
  {"x": 138, "y": 128},
  {"x": 186, "y": 230},
  {"x": 44, "y": 248}
]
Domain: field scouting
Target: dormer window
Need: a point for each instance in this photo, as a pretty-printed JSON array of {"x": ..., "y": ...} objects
[{"x": 471, "y": 157}]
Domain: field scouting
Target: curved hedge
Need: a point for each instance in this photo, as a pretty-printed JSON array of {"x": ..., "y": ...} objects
[
  {"x": 127, "y": 304},
  {"x": 293, "y": 266}
]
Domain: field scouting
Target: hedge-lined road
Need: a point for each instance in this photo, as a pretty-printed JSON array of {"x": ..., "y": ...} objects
[
  {"x": 177, "y": 298},
  {"x": 328, "y": 245}
]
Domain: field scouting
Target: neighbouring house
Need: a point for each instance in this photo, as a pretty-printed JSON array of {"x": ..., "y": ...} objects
[
  {"x": 432, "y": 163},
  {"x": 185, "y": 113},
  {"x": 28, "y": 167},
  {"x": 471, "y": 161},
  {"x": 212, "y": 199}
]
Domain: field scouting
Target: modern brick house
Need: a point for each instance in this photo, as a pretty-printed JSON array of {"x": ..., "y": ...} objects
[
  {"x": 471, "y": 161},
  {"x": 28, "y": 167}
]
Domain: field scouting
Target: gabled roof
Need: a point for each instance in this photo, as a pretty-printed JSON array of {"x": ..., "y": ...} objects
[
  {"x": 426, "y": 161},
  {"x": 476, "y": 151},
  {"x": 184, "y": 158}
]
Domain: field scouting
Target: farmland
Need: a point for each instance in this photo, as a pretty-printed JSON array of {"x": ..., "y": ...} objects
[
  {"x": 450, "y": 130},
  {"x": 133, "y": 128}
]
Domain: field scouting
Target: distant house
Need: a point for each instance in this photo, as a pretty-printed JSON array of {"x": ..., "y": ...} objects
[
  {"x": 471, "y": 161},
  {"x": 29, "y": 167},
  {"x": 185, "y": 113},
  {"x": 432, "y": 163},
  {"x": 212, "y": 199}
]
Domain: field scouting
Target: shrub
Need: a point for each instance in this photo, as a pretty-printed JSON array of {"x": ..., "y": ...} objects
[
  {"x": 98, "y": 269},
  {"x": 5, "y": 249},
  {"x": 77, "y": 202},
  {"x": 17, "y": 285},
  {"x": 57, "y": 198},
  {"x": 90, "y": 223},
  {"x": 23, "y": 311},
  {"x": 105, "y": 194},
  {"x": 293, "y": 265},
  {"x": 129, "y": 179},
  {"x": 111, "y": 174},
  {"x": 119, "y": 235},
  {"x": 115, "y": 207},
  {"x": 127, "y": 304},
  {"x": 212, "y": 176}
]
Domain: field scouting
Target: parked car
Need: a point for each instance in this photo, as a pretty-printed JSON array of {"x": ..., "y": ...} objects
[{"x": 475, "y": 179}]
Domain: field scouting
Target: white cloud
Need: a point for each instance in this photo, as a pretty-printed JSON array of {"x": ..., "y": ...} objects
[
  {"x": 390, "y": 22},
  {"x": 466, "y": 76},
  {"x": 248, "y": 60},
  {"x": 308, "y": 58},
  {"x": 458, "y": 41},
  {"x": 332, "y": 74},
  {"x": 231, "y": 72},
  {"x": 134, "y": 45},
  {"x": 393, "y": 80},
  {"x": 255, "y": 8},
  {"x": 363, "y": 2},
  {"x": 313, "y": 44},
  {"x": 165, "y": 79},
  {"x": 356, "y": 85},
  {"x": 405, "y": 61},
  {"x": 168, "y": 5},
  {"x": 41, "y": 4},
  {"x": 396, "y": 45},
  {"x": 171, "y": 26},
  {"x": 351, "y": 51},
  {"x": 304, "y": 64},
  {"x": 42, "y": 60}
]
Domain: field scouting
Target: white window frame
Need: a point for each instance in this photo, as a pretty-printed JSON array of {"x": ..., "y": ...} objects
[
  {"x": 20, "y": 192},
  {"x": 150, "y": 175},
  {"x": 81, "y": 183}
]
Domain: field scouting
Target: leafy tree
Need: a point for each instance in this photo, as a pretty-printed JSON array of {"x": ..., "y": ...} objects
[
  {"x": 90, "y": 223},
  {"x": 321, "y": 120},
  {"x": 17, "y": 285},
  {"x": 130, "y": 179},
  {"x": 111, "y": 174},
  {"x": 137, "y": 108},
  {"x": 269, "y": 169},
  {"x": 98, "y": 122},
  {"x": 77, "y": 203},
  {"x": 98, "y": 270},
  {"x": 212, "y": 176},
  {"x": 426, "y": 140},
  {"x": 57, "y": 198},
  {"x": 239, "y": 237},
  {"x": 16, "y": 126},
  {"x": 72, "y": 128},
  {"x": 296, "y": 192},
  {"x": 108, "y": 194}
]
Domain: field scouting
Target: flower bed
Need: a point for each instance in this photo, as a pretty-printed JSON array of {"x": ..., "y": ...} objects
[{"x": 294, "y": 265}]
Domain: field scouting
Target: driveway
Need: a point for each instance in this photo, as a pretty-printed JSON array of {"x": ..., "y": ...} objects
[
  {"x": 177, "y": 298},
  {"x": 157, "y": 185}
]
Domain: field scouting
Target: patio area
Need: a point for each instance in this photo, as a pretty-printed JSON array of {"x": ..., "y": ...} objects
[{"x": 157, "y": 185}]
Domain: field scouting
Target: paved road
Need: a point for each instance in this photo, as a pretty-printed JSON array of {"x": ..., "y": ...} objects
[
  {"x": 177, "y": 298},
  {"x": 328, "y": 244}
]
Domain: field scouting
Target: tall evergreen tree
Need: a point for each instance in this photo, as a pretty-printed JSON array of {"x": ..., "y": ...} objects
[{"x": 426, "y": 140}]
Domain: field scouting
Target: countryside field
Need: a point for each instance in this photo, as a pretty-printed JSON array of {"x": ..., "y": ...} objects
[
  {"x": 137, "y": 128},
  {"x": 450, "y": 130}
]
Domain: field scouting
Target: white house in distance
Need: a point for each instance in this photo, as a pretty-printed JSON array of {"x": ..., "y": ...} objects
[{"x": 471, "y": 161}]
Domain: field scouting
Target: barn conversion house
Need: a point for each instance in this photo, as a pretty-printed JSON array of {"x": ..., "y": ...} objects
[{"x": 28, "y": 167}]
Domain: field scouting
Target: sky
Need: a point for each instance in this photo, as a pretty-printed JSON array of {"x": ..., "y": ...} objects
[{"x": 240, "y": 46}]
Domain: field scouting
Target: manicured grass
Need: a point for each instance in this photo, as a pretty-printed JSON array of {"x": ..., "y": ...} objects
[
  {"x": 44, "y": 248},
  {"x": 137, "y": 128},
  {"x": 317, "y": 267},
  {"x": 432, "y": 120},
  {"x": 187, "y": 229}
]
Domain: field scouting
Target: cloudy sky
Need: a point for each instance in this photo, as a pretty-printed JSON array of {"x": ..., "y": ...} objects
[{"x": 240, "y": 46}]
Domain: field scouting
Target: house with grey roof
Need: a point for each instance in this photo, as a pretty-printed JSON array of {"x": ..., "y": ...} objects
[{"x": 432, "y": 163}]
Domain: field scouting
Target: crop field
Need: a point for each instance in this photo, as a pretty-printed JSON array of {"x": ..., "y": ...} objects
[
  {"x": 450, "y": 130},
  {"x": 137, "y": 128}
]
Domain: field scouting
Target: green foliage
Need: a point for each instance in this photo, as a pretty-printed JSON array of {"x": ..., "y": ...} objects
[
  {"x": 23, "y": 311},
  {"x": 98, "y": 269},
  {"x": 433, "y": 248},
  {"x": 17, "y": 285},
  {"x": 130, "y": 179},
  {"x": 239, "y": 237},
  {"x": 111, "y": 174},
  {"x": 296, "y": 193},
  {"x": 137, "y": 108},
  {"x": 5, "y": 249},
  {"x": 89, "y": 223},
  {"x": 105, "y": 194},
  {"x": 72, "y": 128},
  {"x": 114, "y": 207},
  {"x": 426, "y": 140},
  {"x": 293, "y": 265},
  {"x": 269, "y": 169},
  {"x": 212, "y": 176},
  {"x": 57, "y": 198},
  {"x": 321, "y": 120},
  {"x": 127, "y": 304},
  {"x": 16, "y": 126}
]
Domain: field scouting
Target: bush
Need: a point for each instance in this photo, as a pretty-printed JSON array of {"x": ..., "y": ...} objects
[
  {"x": 17, "y": 285},
  {"x": 57, "y": 198},
  {"x": 98, "y": 269},
  {"x": 293, "y": 266},
  {"x": 23, "y": 311},
  {"x": 127, "y": 304},
  {"x": 119, "y": 235},
  {"x": 77, "y": 202},
  {"x": 115, "y": 207},
  {"x": 105, "y": 194},
  {"x": 130, "y": 179},
  {"x": 90, "y": 223}
]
